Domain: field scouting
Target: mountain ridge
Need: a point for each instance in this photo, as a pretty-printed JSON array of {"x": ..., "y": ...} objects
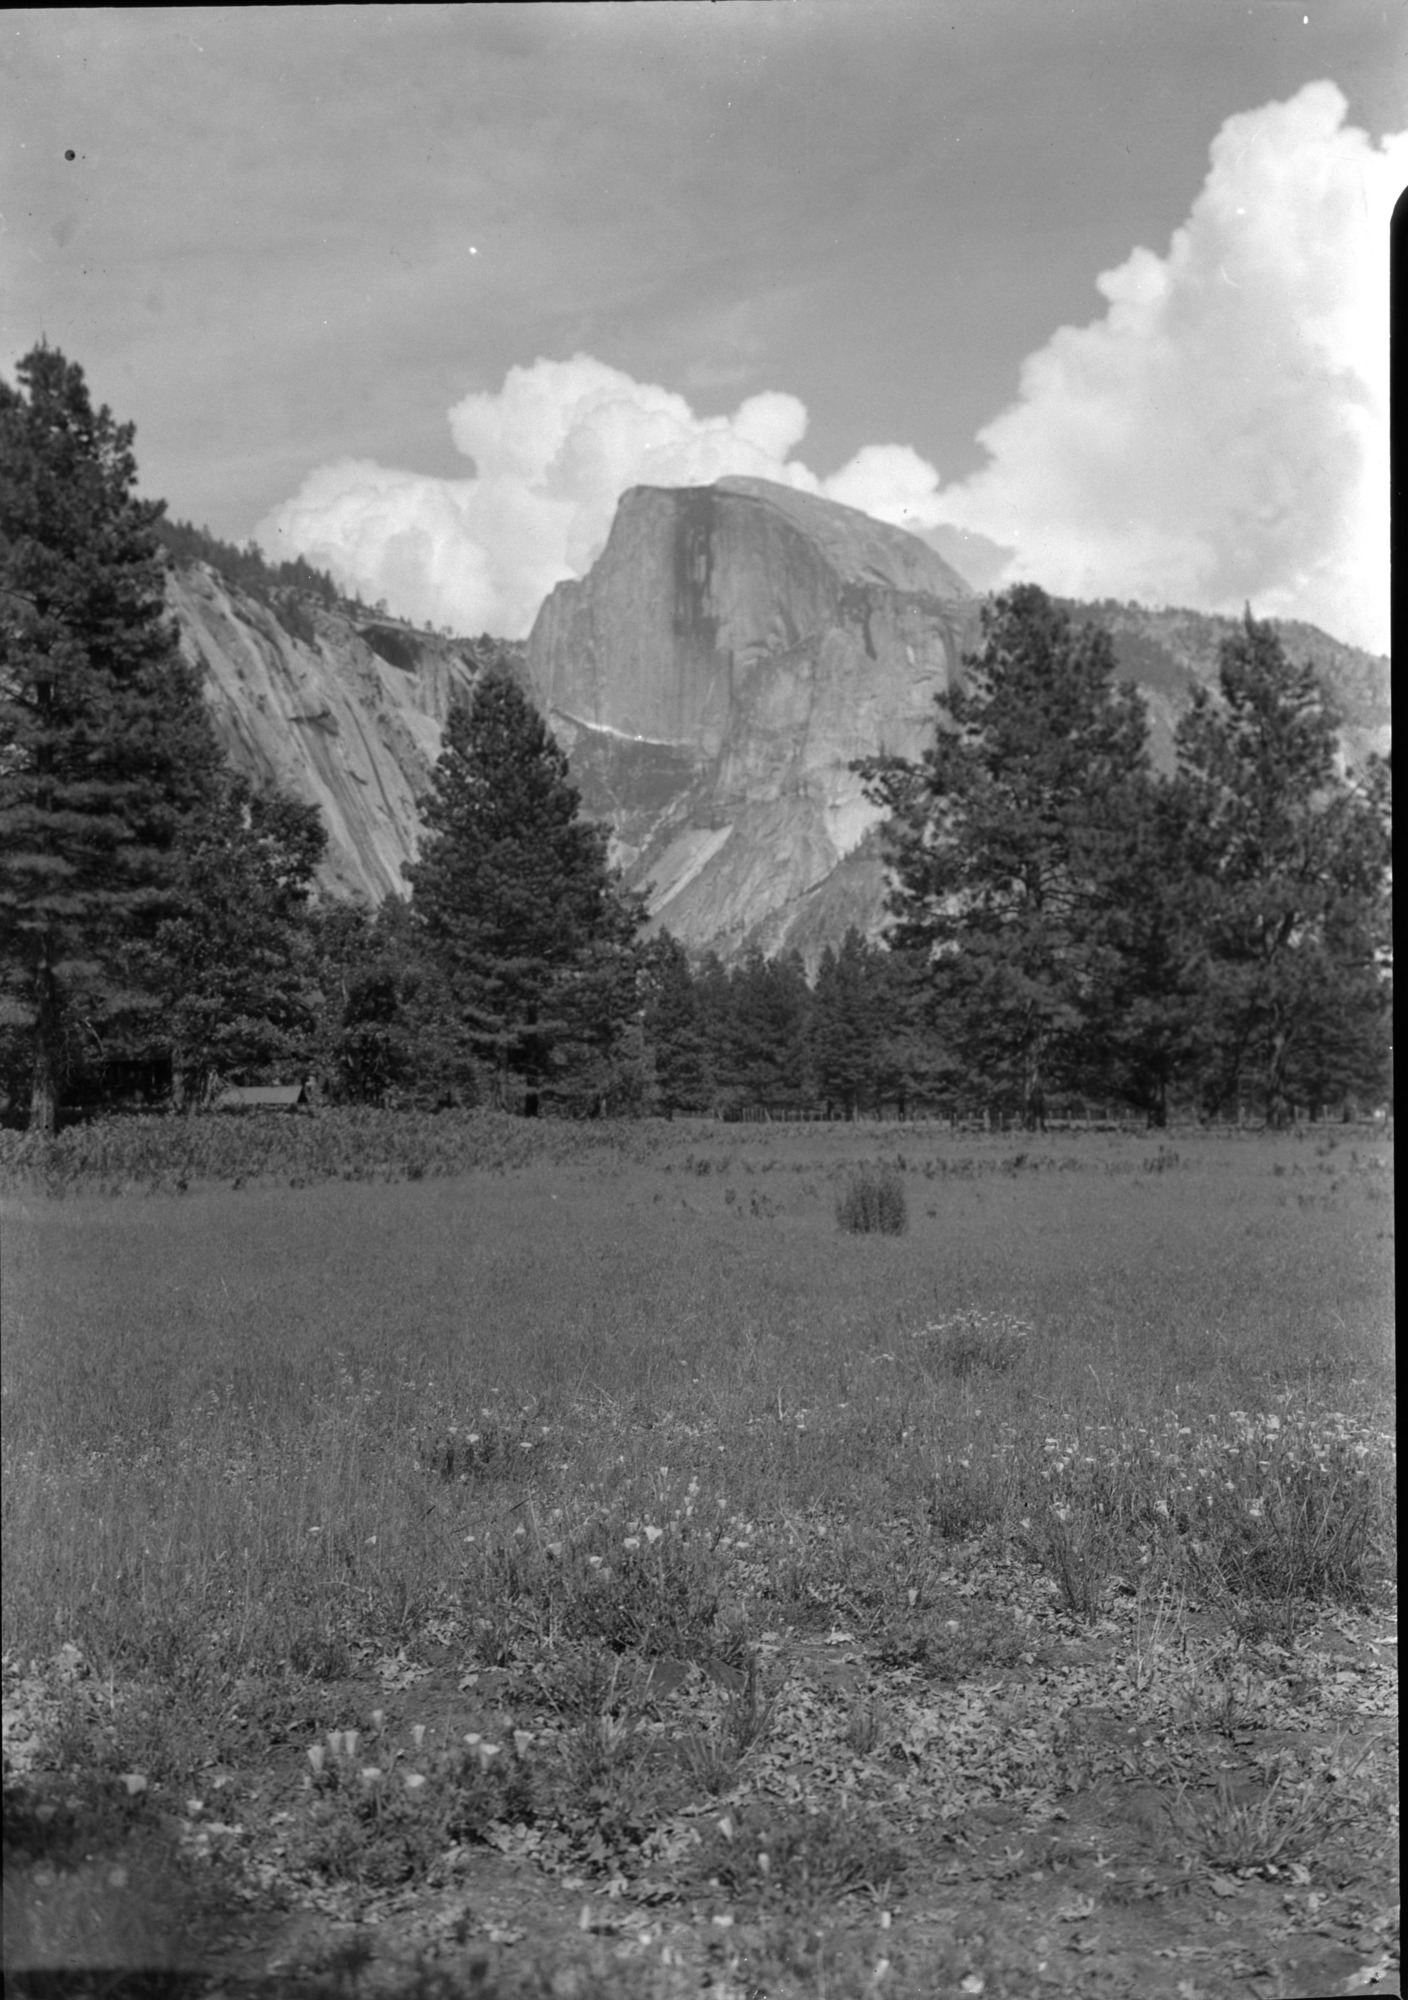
[{"x": 711, "y": 679}]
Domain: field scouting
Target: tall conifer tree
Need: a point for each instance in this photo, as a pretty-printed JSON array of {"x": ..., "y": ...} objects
[
  {"x": 105, "y": 744},
  {"x": 1289, "y": 860},
  {"x": 674, "y": 1030},
  {"x": 519, "y": 906},
  {"x": 847, "y": 1022},
  {"x": 236, "y": 965},
  {"x": 769, "y": 1029},
  {"x": 1003, "y": 838}
]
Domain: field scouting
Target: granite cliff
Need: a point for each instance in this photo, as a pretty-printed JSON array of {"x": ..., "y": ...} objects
[
  {"x": 342, "y": 713},
  {"x": 729, "y": 654}
]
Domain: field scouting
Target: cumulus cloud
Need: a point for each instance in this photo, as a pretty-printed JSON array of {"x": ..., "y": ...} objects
[
  {"x": 1219, "y": 435},
  {"x": 553, "y": 451}
]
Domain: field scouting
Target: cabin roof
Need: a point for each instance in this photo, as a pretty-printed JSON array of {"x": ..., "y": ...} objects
[{"x": 262, "y": 1097}]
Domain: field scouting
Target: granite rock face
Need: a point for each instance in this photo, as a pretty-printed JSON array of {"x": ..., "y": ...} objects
[
  {"x": 732, "y": 650},
  {"x": 343, "y": 716},
  {"x": 730, "y": 653}
]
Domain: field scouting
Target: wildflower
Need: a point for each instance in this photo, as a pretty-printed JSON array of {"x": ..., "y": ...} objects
[
  {"x": 419, "y": 1734},
  {"x": 653, "y": 1535},
  {"x": 414, "y": 1781},
  {"x": 316, "y": 1754},
  {"x": 371, "y": 1774},
  {"x": 631, "y": 1542},
  {"x": 378, "y": 1719}
]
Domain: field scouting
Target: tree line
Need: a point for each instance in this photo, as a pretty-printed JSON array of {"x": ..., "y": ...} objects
[{"x": 1064, "y": 922}]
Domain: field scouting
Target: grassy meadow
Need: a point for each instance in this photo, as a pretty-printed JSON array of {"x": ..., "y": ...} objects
[{"x": 469, "y": 1557}]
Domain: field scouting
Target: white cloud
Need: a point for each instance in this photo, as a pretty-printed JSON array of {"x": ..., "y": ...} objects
[
  {"x": 1220, "y": 435},
  {"x": 553, "y": 451}
]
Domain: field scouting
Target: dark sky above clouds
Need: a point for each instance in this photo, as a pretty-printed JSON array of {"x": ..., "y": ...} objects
[{"x": 293, "y": 237}]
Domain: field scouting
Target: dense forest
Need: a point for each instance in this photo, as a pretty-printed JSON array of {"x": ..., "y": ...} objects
[{"x": 1068, "y": 927}]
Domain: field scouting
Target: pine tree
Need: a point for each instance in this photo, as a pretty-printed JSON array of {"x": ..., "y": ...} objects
[
  {"x": 713, "y": 997},
  {"x": 1288, "y": 862},
  {"x": 390, "y": 1033},
  {"x": 519, "y": 907},
  {"x": 105, "y": 744},
  {"x": 1002, "y": 838},
  {"x": 846, "y": 1025},
  {"x": 912, "y": 1063},
  {"x": 674, "y": 1031},
  {"x": 235, "y": 965},
  {"x": 1143, "y": 1011},
  {"x": 770, "y": 1022}
]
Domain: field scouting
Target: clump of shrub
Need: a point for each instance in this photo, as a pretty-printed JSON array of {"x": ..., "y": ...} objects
[
  {"x": 949, "y": 1649},
  {"x": 962, "y": 1499},
  {"x": 965, "y": 1343},
  {"x": 873, "y": 1204},
  {"x": 712, "y": 1756},
  {"x": 1076, "y": 1547},
  {"x": 773, "y": 1856}
]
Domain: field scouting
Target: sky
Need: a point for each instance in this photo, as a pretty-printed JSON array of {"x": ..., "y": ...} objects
[{"x": 1087, "y": 291}]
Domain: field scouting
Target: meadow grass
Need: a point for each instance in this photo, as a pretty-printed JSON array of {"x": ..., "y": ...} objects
[
  {"x": 259, "y": 1401},
  {"x": 625, "y": 1394}
]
